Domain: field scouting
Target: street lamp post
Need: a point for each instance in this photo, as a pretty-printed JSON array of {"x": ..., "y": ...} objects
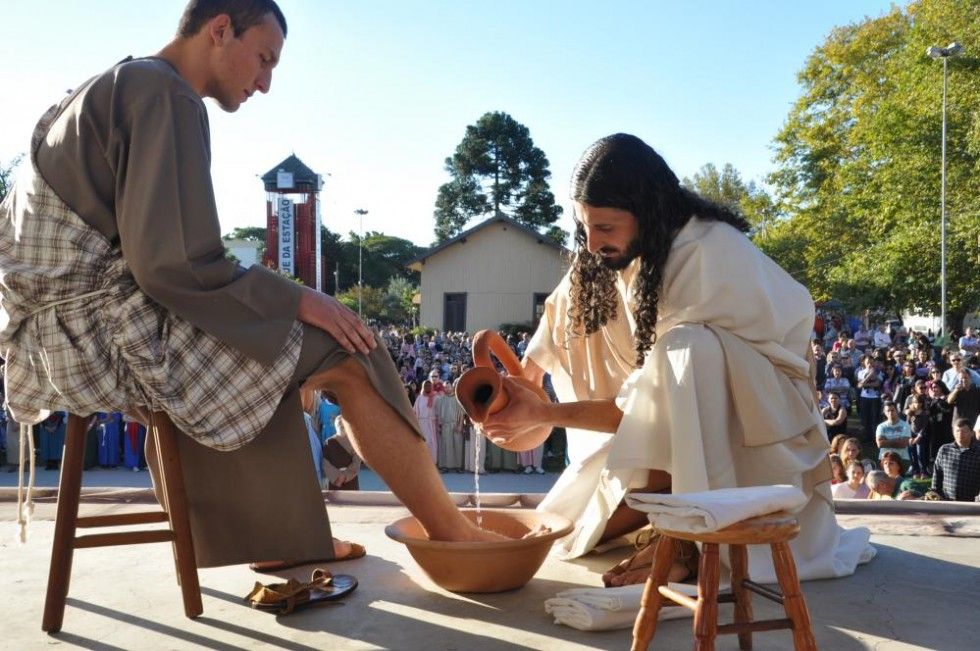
[
  {"x": 943, "y": 53},
  {"x": 360, "y": 212}
]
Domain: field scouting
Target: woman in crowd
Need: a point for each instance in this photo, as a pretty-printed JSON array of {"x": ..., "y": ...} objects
[
  {"x": 854, "y": 488},
  {"x": 425, "y": 410},
  {"x": 851, "y": 451},
  {"x": 835, "y": 417},
  {"x": 869, "y": 402},
  {"x": 940, "y": 429},
  {"x": 838, "y": 475},
  {"x": 917, "y": 415}
]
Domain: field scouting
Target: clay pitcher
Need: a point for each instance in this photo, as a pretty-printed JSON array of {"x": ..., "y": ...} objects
[{"x": 481, "y": 390}]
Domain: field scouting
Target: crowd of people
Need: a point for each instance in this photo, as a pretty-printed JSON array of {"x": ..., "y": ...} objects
[
  {"x": 113, "y": 440},
  {"x": 430, "y": 364},
  {"x": 918, "y": 405}
]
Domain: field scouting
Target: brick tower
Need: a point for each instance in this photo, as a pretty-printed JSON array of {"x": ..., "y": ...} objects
[{"x": 292, "y": 236}]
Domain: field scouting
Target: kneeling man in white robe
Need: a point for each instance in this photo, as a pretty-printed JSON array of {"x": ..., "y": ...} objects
[{"x": 679, "y": 352}]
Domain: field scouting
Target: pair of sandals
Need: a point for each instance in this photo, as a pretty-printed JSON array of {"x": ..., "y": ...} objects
[
  {"x": 640, "y": 564},
  {"x": 285, "y": 598}
]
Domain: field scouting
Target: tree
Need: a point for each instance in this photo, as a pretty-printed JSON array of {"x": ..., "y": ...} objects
[
  {"x": 496, "y": 169},
  {"x": 859, "y": 162},
  {"x": 727, "y": 188},
  {"x": 7, "y": 175}
]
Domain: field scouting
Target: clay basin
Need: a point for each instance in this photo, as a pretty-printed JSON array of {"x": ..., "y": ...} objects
[{"x": 483, "y": 566}]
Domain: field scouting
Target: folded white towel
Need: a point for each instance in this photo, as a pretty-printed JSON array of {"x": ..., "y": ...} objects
[
  {"x": 604, "y": 609},
  {"x": 717, "y": 509}
]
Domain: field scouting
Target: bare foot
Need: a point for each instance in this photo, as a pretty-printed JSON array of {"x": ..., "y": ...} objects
[{"x": 540, "y": 530}]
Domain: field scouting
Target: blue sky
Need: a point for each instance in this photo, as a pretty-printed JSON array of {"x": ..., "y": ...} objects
[{"x": 378, "y": 93}]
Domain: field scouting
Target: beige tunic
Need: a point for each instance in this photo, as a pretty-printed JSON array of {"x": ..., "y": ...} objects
[{"x": 723, "y": 398}]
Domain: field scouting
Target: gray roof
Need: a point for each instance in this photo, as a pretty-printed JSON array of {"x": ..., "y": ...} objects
[
  {"x": 301, "y": 173},
  {"x": 500, "y": 218}
]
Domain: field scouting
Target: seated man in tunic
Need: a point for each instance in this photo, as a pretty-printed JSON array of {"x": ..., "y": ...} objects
[
  {"x": 680, "y": 353},
  {"x": 117, "y": 296}
]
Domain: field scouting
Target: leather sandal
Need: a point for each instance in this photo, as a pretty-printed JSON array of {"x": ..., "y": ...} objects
[
  {"x": 284, "y": 598},
  {"x": 686, "y": 556}
]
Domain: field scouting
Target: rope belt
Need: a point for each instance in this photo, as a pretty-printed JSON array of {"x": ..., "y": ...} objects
[{"x": 25, "y": 508}]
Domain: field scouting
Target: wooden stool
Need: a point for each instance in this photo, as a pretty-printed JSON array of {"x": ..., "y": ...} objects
[
  {"x": 775, "y": 530},
  {"x": 174, "y": 511}
]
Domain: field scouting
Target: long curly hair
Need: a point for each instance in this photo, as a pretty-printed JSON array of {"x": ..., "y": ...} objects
[{"x": 621, "y": 171}]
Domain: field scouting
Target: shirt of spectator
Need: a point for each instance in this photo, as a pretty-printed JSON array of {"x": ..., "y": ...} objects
[
  {"x": 956, "y": 475},
  {"x": 862, "y": 339},
  {"x": 893, "y": 434},
  {"x": 834, "y": 416},
  {"x": 951, "y": 375},
  {"x": 881, "y": 338},
  {"x": 969, "y": 343}
]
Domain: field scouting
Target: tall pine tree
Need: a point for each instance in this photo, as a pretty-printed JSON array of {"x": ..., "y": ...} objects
[{"x": 496, "y": 169}]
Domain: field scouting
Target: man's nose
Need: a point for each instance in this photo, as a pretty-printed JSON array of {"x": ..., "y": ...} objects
[
  {"x": 592, "y": 242},
  {"x": 264, "y": 82}
]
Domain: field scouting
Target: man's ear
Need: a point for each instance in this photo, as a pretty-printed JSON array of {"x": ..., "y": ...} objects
[{"x": 220, "y": 29}]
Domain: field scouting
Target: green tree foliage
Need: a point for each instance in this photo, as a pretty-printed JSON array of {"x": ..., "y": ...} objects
[
  {"x": 7, "y": 176},
  {"x": 859, "y": 163},
  {"x": 495, "y": 169},
  {"x": 726, "y": 187}
]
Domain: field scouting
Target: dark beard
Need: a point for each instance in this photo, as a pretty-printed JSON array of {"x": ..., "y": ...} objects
[{"x": 621, "y": 262}]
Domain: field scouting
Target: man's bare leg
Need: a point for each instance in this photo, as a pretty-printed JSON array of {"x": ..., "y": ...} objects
[
  {"x": 625, "y": 520},
  {"x": 393, "y": 450}
]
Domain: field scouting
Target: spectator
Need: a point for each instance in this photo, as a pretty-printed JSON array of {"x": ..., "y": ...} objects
[
  {"x": 838, "y": 475},
  {"x": 869, "y": 400},
  {"x": 940, "y": 418},
  {"x": 851, "y": 451},
  {"x": 965, "y": 397},
  {"x": 839, "y": 385},
  {"x": 917, "y": 416},
  {"x": 923, "y": 363},
  {"x": 835, "y": 417},
  {"x": 450, "y": 420},
  {"x": 854, "y": 488},
  {"x": 861, "y": 339},
  {"x": 837, "y": 443},
  {"x": 426, "y": 413},
  {"x": 957, "y": 472},
  {"x": 881, "y": 338},
  {"x": 951, "y": 375},
  {"x": 969, "y": 344},
  {"x": 819, "y": 362},
  {"x": 893, "y": 434},
  {"x": 880, "y": 485},
  {"x": 903, "y": 388}
]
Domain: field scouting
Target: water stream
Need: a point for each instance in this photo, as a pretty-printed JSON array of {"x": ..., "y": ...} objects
[{"x": 477, "y": 459}]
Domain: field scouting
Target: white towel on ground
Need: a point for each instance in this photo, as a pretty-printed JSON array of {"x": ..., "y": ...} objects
[
  {"x": 604, "y": 609},
  {"x": 712, "y": 510}
]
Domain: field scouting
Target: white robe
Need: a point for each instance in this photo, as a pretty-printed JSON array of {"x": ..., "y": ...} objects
[{"x": 724, "y": 398}]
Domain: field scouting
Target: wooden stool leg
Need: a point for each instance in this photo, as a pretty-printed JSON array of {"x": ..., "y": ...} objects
[
  {"x": 738, "y": 555},
  {"x": 793, "y": 601},
  {"x": 176, "y": 508},
  {"x": 62, "y": 549},
  {"x": 646, "y": 621},
  {"x": 706, "y": 615}
]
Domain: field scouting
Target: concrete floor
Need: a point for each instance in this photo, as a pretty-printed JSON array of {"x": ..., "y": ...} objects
[{"x": 919, "y": 593}]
